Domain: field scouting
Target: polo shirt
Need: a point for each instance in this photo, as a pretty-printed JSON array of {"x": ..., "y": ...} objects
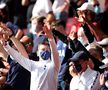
[{"x": 88, "y": 80}]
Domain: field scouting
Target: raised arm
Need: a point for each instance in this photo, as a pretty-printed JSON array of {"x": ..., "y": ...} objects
[
  {"x": 8, "y": 33},
  {"x": 75, "y": 46},
  {"x": 54, "y": 52},
  {"x": 96, "y": 30},
  {"x": 17, "y": 56},
  {"x": 19, "y": 46},
  {"x": 23, "y": 61}
]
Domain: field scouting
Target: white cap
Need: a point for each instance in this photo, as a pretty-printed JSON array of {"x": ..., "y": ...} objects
[
  {"x": 86, "y": 6},
  {"x": 2, "y": 5},
  {"x": 103, "y": 42}
]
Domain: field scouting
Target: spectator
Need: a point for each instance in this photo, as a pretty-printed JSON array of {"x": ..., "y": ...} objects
[
  {"x": 75, "y": 46},
  {"x": 96, "y": 6},
  {"x": 104, "y": 44},
  {"x": 15, "y": 29},
  {"x": 87, "y": 79},
  {"x": 3, "y": 72},
  {"x": 104, "y": 76},
  {"x": 64, "y": 53},
  {"x": 96, "y": 51},
  {"x": 17, "y": 77},
  {"x": 43, "y": 9},
  {"x": 60, "y": 9},
  {"x": 34, "y": 37},
  {"x": 43, "y": 72},
  {"x": 4, "y": 17}
]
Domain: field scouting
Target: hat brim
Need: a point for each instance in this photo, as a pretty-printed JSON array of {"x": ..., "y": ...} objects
[
  {"x": 104, "y": 66},
  {"x": 103, "y": 42},
  {"x": 73, "y": 60}
]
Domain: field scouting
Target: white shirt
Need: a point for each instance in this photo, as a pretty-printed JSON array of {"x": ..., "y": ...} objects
[
  {"x": 89, "y": 80},
  {"x": 43, "y": 73},
  {"x": 57, "y": 4},
  {"x": 74, "y": 83},
  {"x": 41, "y": 8}
]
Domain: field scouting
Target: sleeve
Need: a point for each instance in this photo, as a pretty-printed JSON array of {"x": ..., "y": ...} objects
[
  {"x": 54, "y": 54},
  {"x": 97, "y": 63},
  {"x": 63, "y": 38},
  {"x": 55, "y": 5},
  {"x": 48, "y": 6},
  {"x": 75, "y": 46},
  {"x": 88, "y": 33},
  {"x": 60, "y": 36},
  {"x": 25, "y": 62}
]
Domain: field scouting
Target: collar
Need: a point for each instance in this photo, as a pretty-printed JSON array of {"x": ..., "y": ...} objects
[
  {"x": 44, "y": 61},
  {"x": 89, "y": 77},
  {"x": 88, "y": 71}
]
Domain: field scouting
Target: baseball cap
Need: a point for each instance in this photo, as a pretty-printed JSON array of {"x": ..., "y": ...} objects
[
  {"x": 104, "y": 66},
  {"x": 80, "y": 55},
  {"x": 86, "y": 6}
]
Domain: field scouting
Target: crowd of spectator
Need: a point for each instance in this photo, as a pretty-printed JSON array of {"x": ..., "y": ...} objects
[{"x": 53, "y": 45}]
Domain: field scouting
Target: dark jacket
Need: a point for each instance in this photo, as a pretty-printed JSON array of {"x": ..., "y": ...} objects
[
  {"x": 76, "y": 46},
  {"x": 18, "y": 77}
]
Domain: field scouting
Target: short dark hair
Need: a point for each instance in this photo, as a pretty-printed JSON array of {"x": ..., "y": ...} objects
[
  {"x": 96, "y": 48},
  {"x": 59, "y": 22},
  {"x": 41, "y": 20}
]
